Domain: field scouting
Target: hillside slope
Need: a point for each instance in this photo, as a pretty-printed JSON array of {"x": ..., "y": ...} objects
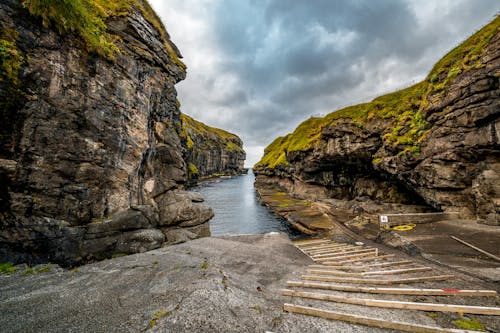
[{"x": 436, "y": 142}]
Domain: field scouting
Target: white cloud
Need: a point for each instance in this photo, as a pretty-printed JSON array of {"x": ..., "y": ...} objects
[{"x": 258, "y": 68}]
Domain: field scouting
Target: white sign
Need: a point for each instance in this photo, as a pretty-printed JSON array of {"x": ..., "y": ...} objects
[{"x": 384, "y": 219}]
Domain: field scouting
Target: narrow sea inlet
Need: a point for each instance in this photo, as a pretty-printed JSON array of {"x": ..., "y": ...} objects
[{"x": 237, "y": 208}]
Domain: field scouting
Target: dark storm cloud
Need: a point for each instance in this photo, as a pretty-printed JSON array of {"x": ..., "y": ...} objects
[{"x": 260, "y": 67}]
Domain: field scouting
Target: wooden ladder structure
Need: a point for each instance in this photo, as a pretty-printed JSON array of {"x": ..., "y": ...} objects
[{"x": 344, "y": 267}]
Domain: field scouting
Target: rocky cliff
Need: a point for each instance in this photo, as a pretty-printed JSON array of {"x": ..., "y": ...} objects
[
  {"x": 90, "y": 158},
  {"x": 210, "y": 151},
  {"x": 434, "y": 143}
]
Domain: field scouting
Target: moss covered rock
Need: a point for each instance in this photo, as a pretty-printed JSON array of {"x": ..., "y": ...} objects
[
  {"x": 210, "y": 151},
  {"x": 433, "y": 142}
]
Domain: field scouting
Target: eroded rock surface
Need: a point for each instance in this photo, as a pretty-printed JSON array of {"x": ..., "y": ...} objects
[
  {"x": 436, "y": 143},
  {"x": 211, "y": 151},
  {"x": 92, "y": 150}
]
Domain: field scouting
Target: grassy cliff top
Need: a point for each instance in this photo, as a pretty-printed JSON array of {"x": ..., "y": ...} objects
[
  {"x": 192, "y": 128},
  {"x": 403, "y": 108},
  {"x": 87, "y": 18}
]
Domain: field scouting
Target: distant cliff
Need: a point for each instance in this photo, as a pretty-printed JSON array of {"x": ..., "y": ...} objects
[
  {"x": 434, "y": 143},
  {"x": 90, "y": 159},
  {"x": 210, "y": 151}
]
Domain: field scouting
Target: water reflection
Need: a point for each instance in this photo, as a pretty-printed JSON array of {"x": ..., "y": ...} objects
[{"x": 237, "y": 209}]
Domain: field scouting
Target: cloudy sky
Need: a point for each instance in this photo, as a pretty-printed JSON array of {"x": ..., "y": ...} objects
[{"x": 258, "y": 68}]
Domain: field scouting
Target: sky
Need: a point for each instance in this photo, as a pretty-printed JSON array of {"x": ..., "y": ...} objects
[{"x": 258, "y": 68}]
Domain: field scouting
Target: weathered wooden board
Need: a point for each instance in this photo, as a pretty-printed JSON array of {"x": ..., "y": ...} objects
[
  {"x": 392, "y": 304},
  {"x": 376, "y": 281},
  {"x": 393, "y": 291},
  {"x": 367, "y": 321}
]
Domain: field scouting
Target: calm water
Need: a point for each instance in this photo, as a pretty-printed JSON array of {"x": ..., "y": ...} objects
[{"x": 237, "y": 209}]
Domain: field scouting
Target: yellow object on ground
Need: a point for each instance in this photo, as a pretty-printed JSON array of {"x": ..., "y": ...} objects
[{"x": 404, "y": 227}]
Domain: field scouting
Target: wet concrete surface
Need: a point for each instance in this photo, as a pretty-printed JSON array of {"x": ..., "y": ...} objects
[{"x": 435, "y": 243}]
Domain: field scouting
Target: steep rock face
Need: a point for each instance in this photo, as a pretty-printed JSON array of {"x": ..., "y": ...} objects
[
  {"x": 436, "y": 142},
  {"x": 210, "y": 151},
  {"x": 90, "y": 147}
]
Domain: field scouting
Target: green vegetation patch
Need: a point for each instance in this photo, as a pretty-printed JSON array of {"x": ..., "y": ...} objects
[
  {"x": 204, "y": 265},
  {"x": 156, "y": 316},
  {"x": 45, "y": 268},
  {"x": 87, "y": 19},
  {"x": 469, "y": 324},
  {"x": 463, "y": 57},
  {"x": 209, "y": 137},
  {"x": 7, "y": 268},
  {"x": 192, "y": 171},
  {"x": 11, "y": 61},
  {"x": 11, "y": 58},
  {"x": 402, "y": 109}
]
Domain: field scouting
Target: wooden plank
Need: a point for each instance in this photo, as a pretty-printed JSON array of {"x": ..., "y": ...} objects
[
  {"x": 376, "y": 281},
  {"x": 312, "y": 242},
  {"x": 308, "y": 241},
  {"x": 392, "y": 291},
  {"x": 335, "y": 250},
  {"x": 392, "y": 304},
  {"x": 330, "y": 247},
  {"x": 313, "y": 246},
  {"x": 341, "y": 258},
  {"x": 492, "y": 256},
  {"x": 343, "y": 253},
  {"x": 364, "y": 267},
  {"x": 334, "y": 273},
  {"x": 363, "y": 274},
  {"x": 316, "y": 244},
  {"x": 374, "y": 258},
  {"x": 399, "y": 271},
  {"x": 367, "y": 321}
]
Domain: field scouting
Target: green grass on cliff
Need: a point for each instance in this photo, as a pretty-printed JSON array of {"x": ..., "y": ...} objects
[
  {"x": 83, "y": 17},
  {"x": 211, "y": 135},
  {"x": 10, "y": 57},
  {"x": 11, "y": 60},
  {"x": 192, "y": 171},
  {"x": 403, "y": 109},
  {"x": 87, "y": 18}
]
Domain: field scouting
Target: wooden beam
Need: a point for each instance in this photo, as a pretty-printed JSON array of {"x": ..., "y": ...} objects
[
  {"x": 336, "y": 249},
  {"x": 392, "y": 291},
  {"x": 392, "y": 304},
  {"x": 343, "y": 253},
  {"x": 314, "y": 243},
  {"x": 492, "y": 256},
  {"x": 340, "y": 258},
  {"x": 310, "y": 241},
  {"x": 367, "y": 321},
  {"x": 329, "y": 247},
  {"x": 374, "y": 258},
  {"x": 334, "y": 273},
  {"x": 399, "y": 271},
  {"x": 363, "y": 274},
  {"x": 376, "y": 281},
  {"x": 364, "y": 267}
]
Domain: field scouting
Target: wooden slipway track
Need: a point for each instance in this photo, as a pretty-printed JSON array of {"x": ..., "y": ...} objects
[{"x": 363, "y": 275}]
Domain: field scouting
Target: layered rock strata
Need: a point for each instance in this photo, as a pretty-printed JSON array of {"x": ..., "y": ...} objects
[
  {"x": 435, "y": 143},
  {"x": 90, "y": 163},
  {"x": 210, "y": 151}
]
